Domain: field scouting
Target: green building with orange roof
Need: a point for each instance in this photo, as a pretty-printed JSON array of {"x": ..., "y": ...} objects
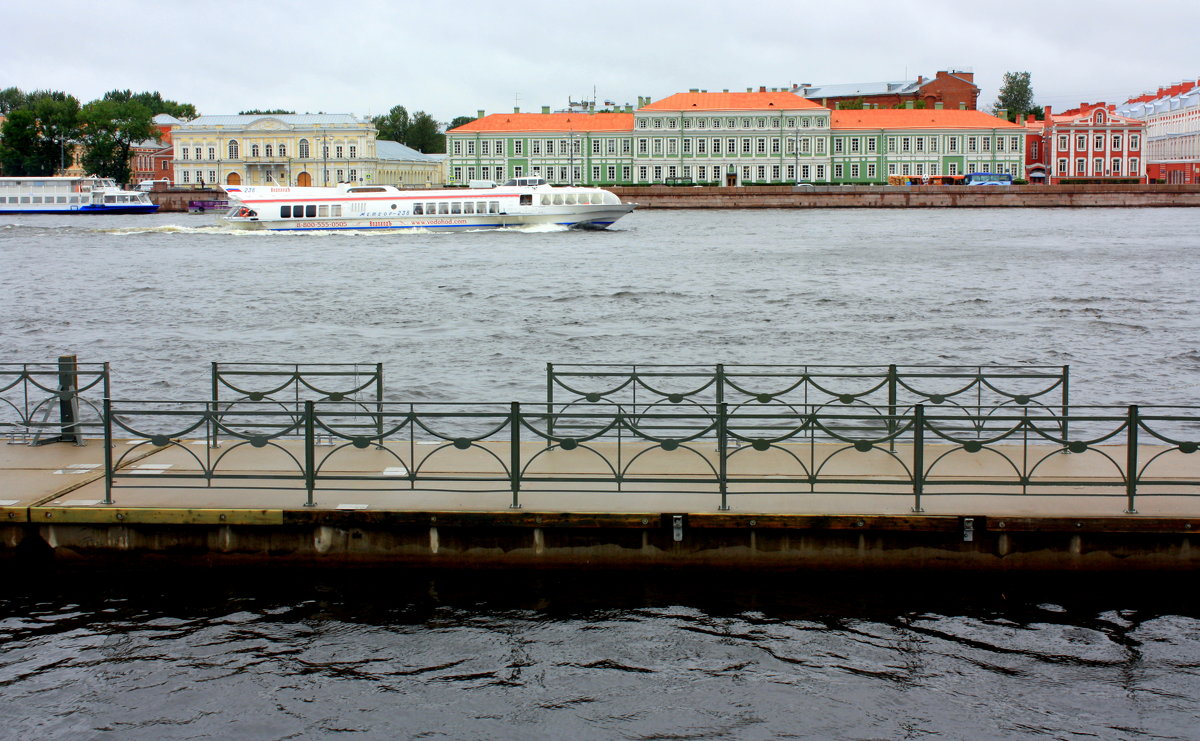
[{"x": 763, "y": 137}]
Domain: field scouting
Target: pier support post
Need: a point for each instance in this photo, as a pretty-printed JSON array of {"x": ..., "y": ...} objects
[
  {"x": 1131, "y": 460},
  {"x": 514, "y": 453},
  {"x": 918, "y": 456}
]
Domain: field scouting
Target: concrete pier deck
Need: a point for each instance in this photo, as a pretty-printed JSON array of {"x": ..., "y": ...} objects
[{"x": 164, "y": 510}]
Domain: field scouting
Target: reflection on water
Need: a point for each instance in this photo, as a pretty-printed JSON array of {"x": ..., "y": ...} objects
[{"x": 387, "y": 654}]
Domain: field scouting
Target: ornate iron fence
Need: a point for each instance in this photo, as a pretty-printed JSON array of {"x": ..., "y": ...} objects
[
  {"x": 728, "y": 452},
  {"x": 52, "y": 402}
]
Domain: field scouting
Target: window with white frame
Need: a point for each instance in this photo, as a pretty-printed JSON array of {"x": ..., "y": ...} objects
[
  {"x": 687, "y": 145},
  {"x": 1080, "y": 166},
  {"x": 837, "y": 172},
  {"x": 1116, "y": 166},
  {"x": 1116, "y": 142},
  {"x": 1081, "y": 142},
  {"x": 1097, "y": 166},
  {"x": 1099, "y": 142},
  {"x": 1062, "y": 143},
  {"x": 656, "y": 146},
  {"x": 535, "y": 147},
  {"x": 595, "y": 146},
  {"x": 820, "y": 170},
  {"x": 1134, "y": 141},
  {"x": 1062, "y": 166},
  {"x": 838, "y": 145},
  {"x": 855, "y": 172},
  {"x": 805, "y": 171},
  {"x": 672, "y": 146},
  {"x": 518, "y": 147},
  {"x": 658, "y": 172},
  {"x": 1133, "y": 166},
  {"x": 871, "y": 170},
  {"x": 872, "y": 145},
  {"x": 457, "y": 148},
  {"x": 643, "y": 146},
  {"x": 760, "y": 146},
  {"x": 855, "y": 145}
]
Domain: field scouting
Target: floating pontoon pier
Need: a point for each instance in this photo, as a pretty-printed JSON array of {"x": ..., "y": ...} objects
[{"x": 732, "y": 466}]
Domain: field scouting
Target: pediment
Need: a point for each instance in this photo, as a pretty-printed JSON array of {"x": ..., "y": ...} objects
[{"x": 267, "y": 124}]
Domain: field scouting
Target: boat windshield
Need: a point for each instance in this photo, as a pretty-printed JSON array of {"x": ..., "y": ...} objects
[{"x": 526, "y": 182}]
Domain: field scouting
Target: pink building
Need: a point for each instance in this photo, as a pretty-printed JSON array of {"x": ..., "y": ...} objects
[{"x": 1088, "y": 144}]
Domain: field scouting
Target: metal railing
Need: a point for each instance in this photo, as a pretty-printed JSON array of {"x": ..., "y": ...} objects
[
  {"x": 44, "y": 403},
  {"x": 730, "y": 451},
  {"x": 884, "y": 387}
]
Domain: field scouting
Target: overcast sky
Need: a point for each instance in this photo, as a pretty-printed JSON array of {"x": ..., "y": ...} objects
[{"x": 454, "y": 58}]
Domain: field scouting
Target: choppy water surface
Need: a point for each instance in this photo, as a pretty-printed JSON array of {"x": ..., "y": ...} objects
[
  {"x": 387, "y": 654},
  {"x": 390, "y": 655}
]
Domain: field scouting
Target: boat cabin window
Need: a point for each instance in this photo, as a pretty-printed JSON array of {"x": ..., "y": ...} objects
[
  {"x": 323, "y": 210},
  {"x": 443, "y": 207},
  {"x": 366, "y": 189},
  {"x": 526, "y": 200},
  {"x": 417, "y": 209},
  {"x": 456, "y": 207},
  {"x": 469, "y": 207},
  {"x": 493, "y": 207},
  {"x": 526, "y": 182},
  {"x": 310, "y": 211},
  {"x": 285, "y": 212}
]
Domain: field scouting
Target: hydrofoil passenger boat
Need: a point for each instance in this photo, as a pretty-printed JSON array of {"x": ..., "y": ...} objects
[{"x": 518, "y": 202}]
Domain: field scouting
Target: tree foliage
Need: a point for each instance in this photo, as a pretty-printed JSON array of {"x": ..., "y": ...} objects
[
  {"x": 154, "y": 102},
  {"x": 272, "y": 112},
  {"x": 38, "y": 136},
  {"x": 418, "y": 130},
  {"x": 459, "y": 121},
  {"x": 1016, "y": 95},
  {"x": 110, "y": 128},
  {"x": 851, "y": 105}
]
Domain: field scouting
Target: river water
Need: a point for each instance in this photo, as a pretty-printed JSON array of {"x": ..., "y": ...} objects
[{"x": 475, "y": 317}]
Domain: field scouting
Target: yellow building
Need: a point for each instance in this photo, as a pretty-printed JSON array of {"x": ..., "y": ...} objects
[{"x": 293, "y": 149}]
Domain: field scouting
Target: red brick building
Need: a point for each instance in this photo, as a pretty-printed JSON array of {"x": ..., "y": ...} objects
[
  {"x": 954, "y": 89},
  {"x": 1088, "y": 144}
]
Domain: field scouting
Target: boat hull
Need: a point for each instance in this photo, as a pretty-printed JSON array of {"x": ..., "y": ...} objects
[
  {"x": 92, "y": 210},
  {"x": 582, "y": 217}
]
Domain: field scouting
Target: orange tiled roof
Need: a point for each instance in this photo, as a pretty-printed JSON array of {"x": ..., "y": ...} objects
[
  {"x": 918, "y": 118},
  {"x": 731, "y": 102},
  {"x": 549, "y": 122}
]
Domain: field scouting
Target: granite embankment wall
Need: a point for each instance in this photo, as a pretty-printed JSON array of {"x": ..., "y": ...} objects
[
  {"x": 176, "y": 199},
  {"x": 924, "y": 196}
]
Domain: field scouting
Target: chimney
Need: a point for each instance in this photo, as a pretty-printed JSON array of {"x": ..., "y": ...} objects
[
  {"x": 762, "y": 88},
  {"x": 1046, "y": 113},
  {"x": 1001, "y": 113},
  {"x": 962, "y": 106},
  {"x": 545, "y": 109},
  {"x": 920, "y": 79},
  {"x": 516, "y": 109},
  {"x": 480, "y": 113},
  {"x": 937, "y": 106}
]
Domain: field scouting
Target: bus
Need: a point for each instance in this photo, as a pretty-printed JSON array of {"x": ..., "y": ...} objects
[{"x": 988, "y": 178}]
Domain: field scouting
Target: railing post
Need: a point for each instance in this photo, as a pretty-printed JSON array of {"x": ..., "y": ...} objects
[
  {"x": 514, "y": 453},
  {"x": 720, "y": 383},
  {"x": 722, "y": 455},
  {"x": 108, "y": 454},
  {"x": 1066, "y": 398},
  {"x": 918, "y": 455},
  {"x": 379, "y": 403},
  {"x": 310, "y": 452},
  {"x": 549, "y": 405},
  {"x": 892, "y": 425},
  {"x": 68, "y": 400},
  {"x": 1131, "y": 461},
  {"x": 212, "y": 423}
]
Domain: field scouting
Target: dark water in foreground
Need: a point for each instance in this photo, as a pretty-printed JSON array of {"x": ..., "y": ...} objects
[
  {"x": 387, "y": 654},
  {"x": 402, "y": 655}
]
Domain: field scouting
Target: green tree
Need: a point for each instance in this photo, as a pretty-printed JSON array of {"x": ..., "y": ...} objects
[
  {"x": 851, "y": 105},
  {"x": 18, "y": 143},
  {"x": 110, "y": 128},
  {"x": 272, "y": 112},
  {"x": 11, "y": 98},
  {"x": 154, "y": 102},
  {"x": 1016, "y": 95},
  {"x": 393, "y": 125},
  {"x": 425, "y": 134},
  {"x": 40, "y": 138}
]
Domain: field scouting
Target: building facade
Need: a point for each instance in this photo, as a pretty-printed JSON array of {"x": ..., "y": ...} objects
[
  {"x": 1088, "y": 144},
  {"x": 1172, "y": 119},
  {"x": 754, "y": 138},
  {"x": 294, "y": 149},
  {"x": 953, "y": 89}
]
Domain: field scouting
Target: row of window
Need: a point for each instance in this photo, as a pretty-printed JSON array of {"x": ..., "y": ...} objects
[
  {"x": 444, "y": 208},
  {"x": 1114, "y": 167},
  {"x": 339, "y": 151},
  {"x": 755, "y": 122},
  {"x": 747, "y": 145},
  {"x": 1081, "y": 142},
  {"x": 310, "y": 211}
]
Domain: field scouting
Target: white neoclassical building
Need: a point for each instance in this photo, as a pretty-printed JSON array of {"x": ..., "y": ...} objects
[{"x": 294, "y": 149}]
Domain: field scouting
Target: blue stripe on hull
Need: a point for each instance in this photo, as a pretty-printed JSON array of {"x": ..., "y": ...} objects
[{"x": 93, "y": 210}]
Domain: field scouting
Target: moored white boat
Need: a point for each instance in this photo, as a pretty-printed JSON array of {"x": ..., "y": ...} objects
[
  {"x": 65, "y": 195},
  {"x": 519, "y": 202}
]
